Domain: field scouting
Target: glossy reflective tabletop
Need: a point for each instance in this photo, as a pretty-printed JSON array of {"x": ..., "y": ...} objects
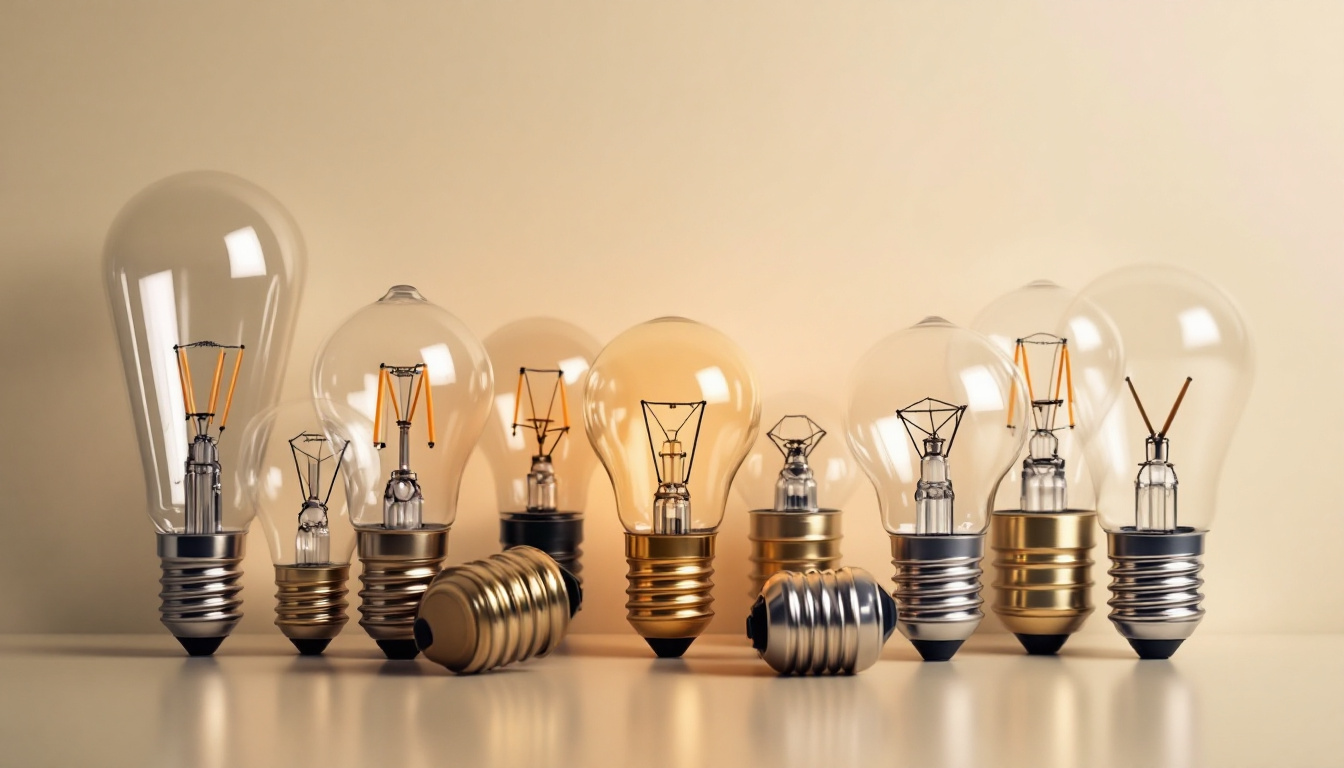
[{"x": 603, "y": 700}]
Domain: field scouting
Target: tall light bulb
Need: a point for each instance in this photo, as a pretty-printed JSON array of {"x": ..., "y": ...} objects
[
  {"x": 1168, "y": 394},
  {"x": 671, "y": 408},
  {"x": 927, "y": 413},
  {"x": 789, "y": 479},
  {"x": 1043, "y": 528},
  {"x": 410, "y": 387},
  {"x": 204, "y": 272},
  {"x": 289, "y": 469},
  {"x": 541, "y": 464}
]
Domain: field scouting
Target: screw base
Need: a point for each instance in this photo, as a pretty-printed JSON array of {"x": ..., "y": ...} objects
[
  {"x": 1043, "y": 571},
  {"x": 792, "y": 541},
  {"x": 398, "y": 567},
  {"x": 670, "y": 587},
  {"x": 200, "y": 587},
  {"x": 1155, "y": 580},
  {"x": 937, "y": 590},
  {"x": 310, "y": 602}
]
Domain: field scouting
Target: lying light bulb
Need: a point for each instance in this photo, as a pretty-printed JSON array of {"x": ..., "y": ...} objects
[
  {"x": 671, "y": 409},
  {"x": 1181, "y": 341},
  {"x": 199, "y": 266},
  {"x": 927, "y": 411}
]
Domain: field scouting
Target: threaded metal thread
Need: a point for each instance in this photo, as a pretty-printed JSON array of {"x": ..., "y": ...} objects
[
  {"x": 1043, "y": 570},
  {"x": 398, "y": 567},
  {"x": 821, "y": 622},
  {"x": 311, "y": 600},
  {"x": 200, "y": 583},
  {"x": 937, "y": 585},
  {"x": 1155, "y": 582},
  {"x": 792, "y": 541},
  {"x": 670, "y": 584},
  {"x": 507, "y": 608}
]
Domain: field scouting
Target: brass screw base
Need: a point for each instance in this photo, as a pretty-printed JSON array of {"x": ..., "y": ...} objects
[
  {"x": 489, "y": 613},
  {"x": 199, "y": 599},
  {"x": 310, "y": 604},
  {"x": 792, "y": 541},
  {"x": 1043, "y": 582},
  {"x": 670, "y": 588},
  {"x": 398, "y": 567}
]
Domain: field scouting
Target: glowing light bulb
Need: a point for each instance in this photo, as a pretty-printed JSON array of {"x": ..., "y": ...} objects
[
  {"x": 927, "y": 412},
  {"x": 198, "y": 267},
  {"x": 1181, "y": 343},
  {"x": 671, "y": 409}
]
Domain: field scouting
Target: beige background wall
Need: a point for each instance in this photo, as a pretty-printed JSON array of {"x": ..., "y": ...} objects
[{"x": 806, "y": 177}]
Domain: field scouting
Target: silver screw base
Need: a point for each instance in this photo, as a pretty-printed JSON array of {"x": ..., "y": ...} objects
[
  {"x": 821, "y": 622},
  {"x": 1155, "y": 579},
  {"x": 937, "y": 590},
  {"x": 199, "y": 600}
]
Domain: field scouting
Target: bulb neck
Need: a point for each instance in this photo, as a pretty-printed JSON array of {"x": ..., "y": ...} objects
[
  {"x": 796, "y": 488},
  {"x": 672, "y": 509},
  {"x": 1044, "y": 487},
  {"x": 1155, "y": 490},
  {"x": 202, "y": 487},
  {"x": 312, "y": 543},
  {"x": 542, "y": 489},
  {"x": 933, "y": 492}
]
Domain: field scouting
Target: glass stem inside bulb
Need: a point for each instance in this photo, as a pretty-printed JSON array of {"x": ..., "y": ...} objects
[
  {"x": 541, "y": 485},
  {"x": 672, "y": 502},
  {"x": 402, "y": 501},
  {"x": 312, "y": 543},
  {"x": 796, "y": 488},
  {"x": 1044, "y": 488},
  {"x": 202, "y": 504},
  {"x": 1155, "y": 490},
  {"x": 933, "y": 493}
]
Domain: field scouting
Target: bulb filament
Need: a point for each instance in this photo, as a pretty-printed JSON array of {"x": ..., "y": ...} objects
[
  {"x": 671, "y": 461},
  {"x": 542, "y": 489},
  {"x": 796, "y": 488},
  {"x": 399, "y": 386},
  {"x": 934, "y": 497},
  {"x": 311, "y": 451},
  {"x": 1044, "y": 487},
  {"x": 202, "y": 478},
  {"x": 1155, "y": 487}
]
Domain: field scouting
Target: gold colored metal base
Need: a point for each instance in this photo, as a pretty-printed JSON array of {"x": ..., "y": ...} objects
[
  {"x": 792, "y": 541},
  {"x": 1043, "y": 561},
  {"x": 670, "y": 585},
  {"x": 509, "y": 607},
  {"x": 398, "y": 567},
  {"x": 310, "y": 601}
]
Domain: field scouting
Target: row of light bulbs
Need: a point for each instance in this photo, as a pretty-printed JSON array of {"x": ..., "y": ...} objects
[{"x": 204, "y": 274}]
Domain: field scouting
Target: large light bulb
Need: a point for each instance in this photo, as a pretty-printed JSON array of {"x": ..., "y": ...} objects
[
  {"x": 204, "y": 273},
  {"x": 1042, "y": 529},
  {"x": 1185, "y": 349},
  {"x": 289, "y": 469},
  {"x": 671, "y": 409},
  {"x": 540, "y": 461},
  {"x": 410, "y": 387},
  {"x": 928, "y": 410},
  {"x": 789, "y": 479}
]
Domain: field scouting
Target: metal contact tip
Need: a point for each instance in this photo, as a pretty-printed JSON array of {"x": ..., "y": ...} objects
[
  {"x": 200, "y": 646},
  {"x": 669, "y": 648},
  {"x": 1041, "y": 645},
  {"x": 399, "y": 650},
  {"x": 309, "y": 647},
  {"x": 1154, "y": 649},
  {"x": 937, "y": 650}
]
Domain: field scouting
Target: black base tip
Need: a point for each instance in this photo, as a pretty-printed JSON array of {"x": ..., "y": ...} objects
[
  {"x": 399, "y": 650},
  {"x": 758, "y": 626},
  {"x": 669, "y": 648},
  {"x": 200, "y": 646},
  {"x": 937, "y": 650},
  {"x": 309, "y": 647},
  {"x": 1042, "y": 645},
  {"x": 1155, "y": 649}
]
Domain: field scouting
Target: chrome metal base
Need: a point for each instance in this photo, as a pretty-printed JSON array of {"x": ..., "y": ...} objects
[
  {"x": 509, "y": 607},
  {"x": 398, "y": 567},
  {"x": 671, "y": 588},
  {"x": 792, "y": 541},
  {"x": 1155, "y": 580},
  {"x": 558, "y": 534},
  {"x": 821, "y": 622},
  {"x": 310, "y": 604},
  {"x": 1043, "y": 574},
  {"x": 937, "y": 590},
  {"x": 199, "y": 601}
]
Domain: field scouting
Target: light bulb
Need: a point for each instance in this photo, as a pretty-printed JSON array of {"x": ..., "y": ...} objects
[
  {"x": 788, "y": 481},
  {"x": 1184, "y": 348},
  {"x": 289, "y": 469},
  {"x": 410, "y": 387},
  {"x": 928, "y": 410},
  {"x": 1043, "y": 527},
  {"x": 204, "y": 273},
  {"x": 671, "y": 409},
  {"x": 541, "y": 462}
]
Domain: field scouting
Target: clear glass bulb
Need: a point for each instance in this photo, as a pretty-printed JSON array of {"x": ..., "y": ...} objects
[
  {"x": 290, "y": 470},
  {"x": 410, "y": 386},
  {"x": 207, "y": 262},
  {"x": 671, "y": 409},
  {"x": 928, "y": 416},
  {"x": 834, "y": 474},
  {"x": 1023, "y": 324},
  {"x": 1170, "y": 325},
  {"x": 554, "y": 474}
]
